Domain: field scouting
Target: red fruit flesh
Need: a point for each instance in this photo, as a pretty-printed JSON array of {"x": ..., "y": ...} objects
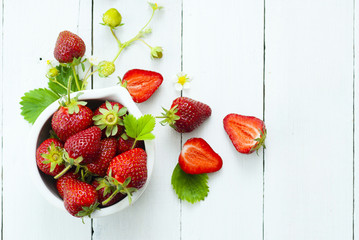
[
  {"x": 243, "y": 132},
  {"x": 61, "y": 182},
  {"x": 86, "y": 143},
  {"x": 101, "y": 197},
  {"x": 44, "y": 149},
  {"x": 66, "y": 125},
  {"x": 198, "y": 157},
  {"x": 68, "y": 46},
  {"x": 141, "y": 84},
  {"x": 132, "y": 163},
  {"x": 192, "y": 114},
  {"x": 125, "y": 145},
  {"x": 108, "y": 151},
  {"x": 78, "y": 194}
]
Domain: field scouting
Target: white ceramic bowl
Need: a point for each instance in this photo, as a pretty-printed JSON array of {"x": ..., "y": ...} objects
[{"x": 40, "y": 131}]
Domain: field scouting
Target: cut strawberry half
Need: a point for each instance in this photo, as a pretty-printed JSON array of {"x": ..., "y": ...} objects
[
  {"x": 198, "y": 157},
  {"x": 247, "y": 133},
  {"x": 141, "y": 84}
]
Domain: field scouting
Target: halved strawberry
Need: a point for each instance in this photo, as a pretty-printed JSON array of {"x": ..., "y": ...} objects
[
  {"x": 247, "y": 133},
  {"x": 141, "y": 84},
  {"x": 198, "y": 157}
]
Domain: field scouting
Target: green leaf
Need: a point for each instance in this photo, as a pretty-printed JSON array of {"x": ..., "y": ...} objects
[
  {"x": 189, "y": 187},
  {"x": 35, "y": 101},
  {"x": 140, "y": 129},
  {"x": 63, "y": 78}
]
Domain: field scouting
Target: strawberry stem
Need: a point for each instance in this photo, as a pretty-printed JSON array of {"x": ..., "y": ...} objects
[
  {"x": 62, "y": 172},
  {"x": 75, "y": 76},
  {"x": 110, "y": 197}
]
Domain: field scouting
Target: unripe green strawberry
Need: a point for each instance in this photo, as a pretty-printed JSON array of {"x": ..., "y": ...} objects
[
  {"x": 106, "y": 68},
  {"x": 112, "y": 18},
  {"x": 156, "y": 52}
]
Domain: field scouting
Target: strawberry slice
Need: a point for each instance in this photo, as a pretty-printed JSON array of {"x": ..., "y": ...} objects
[
  {"x": 198, "y": 157},
  {"x": 247, "y": 133},
  {"x": 141, "y": 84}
]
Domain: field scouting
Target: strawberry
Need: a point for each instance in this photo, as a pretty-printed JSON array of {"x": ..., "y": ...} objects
[
  {"x": 125, "y": 145},
  {"x": 186, "y": 114},
  {"x": 198, "y": 157},
  {"x": 71, "y": 118},
  {"x": 85, "y": 144},
  {"x": 80, "y": 198},
  {"x": 141, "y": 84},
  {"x": 108, "y": 117},
  {"x": 61, "y": 182},
  {"x": 105, "y": 190},
  {"x": 131, "y": 164},
  {"x": 68, "y": 46},
  {"x": 246, "y": 133},
  {"x": 108, "y": 151},
  {"x": 49, "y": 156}
]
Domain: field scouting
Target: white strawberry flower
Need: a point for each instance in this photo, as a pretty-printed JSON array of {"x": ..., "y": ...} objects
[
  {"x": 182, "y": 81},
  {"x": 94, "y": 60}
]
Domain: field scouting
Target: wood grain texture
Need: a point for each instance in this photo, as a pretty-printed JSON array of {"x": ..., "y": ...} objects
[
  {"x": 309, "y": 114},
  {"x": 156, "y": 215},
  {"x": 26, "y": 214},
  {"x": 223, "y": 51}
]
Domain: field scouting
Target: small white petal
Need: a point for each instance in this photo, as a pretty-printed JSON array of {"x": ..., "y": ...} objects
[
  {"x": 178, "y": 87},
  {"x": 187, "y": 85},
  {"x": 94, "y": 60}
]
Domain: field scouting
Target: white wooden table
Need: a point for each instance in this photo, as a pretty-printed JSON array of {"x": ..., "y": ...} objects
[{"x": 290, "y": 62}]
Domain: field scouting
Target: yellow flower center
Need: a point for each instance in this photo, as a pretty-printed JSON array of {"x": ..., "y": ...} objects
[{"x": 182, "y": 80}]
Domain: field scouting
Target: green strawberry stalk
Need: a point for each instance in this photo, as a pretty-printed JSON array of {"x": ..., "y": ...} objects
[
  {"x": 110, "y": 184},
  {"x": 113, "y": 19},
  {"x": 69, "y": 163}
]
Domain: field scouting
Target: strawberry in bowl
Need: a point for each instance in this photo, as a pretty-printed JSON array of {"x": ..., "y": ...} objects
[{"x": 62, "y": 159}]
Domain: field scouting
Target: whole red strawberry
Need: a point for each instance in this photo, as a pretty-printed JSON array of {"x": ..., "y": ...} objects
[
  {"x": 108, "y": 151},
  {"x": 68, "y": 46},
  {"x": 108, "y": 117},
  {"x": 131, "y": 164},
  {"x": 61, "y": 182},
  {"x": 141, "y": 84},
  {"x": 105, "y": 190},
  {"x": 247, "y": 133},
  {"x": 125, "y": 145},
  {"x": 80, "y": 198},
  {"x": 198, "y": 157},
  {"x": 186, "y": 114},
  {"x": 71, "y": 118},
  {"x": 85, "y": 144},
  {"x": 49, "y": 156}
]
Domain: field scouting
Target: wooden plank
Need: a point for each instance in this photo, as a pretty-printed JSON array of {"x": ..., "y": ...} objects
[
  {"x": 309, "y": 114},
  {"x": 26, "y": 214},
  {"x": 158, "y": 207},
  {"x": 223, "y": 51},
  {"x": 356, "y": 125}
]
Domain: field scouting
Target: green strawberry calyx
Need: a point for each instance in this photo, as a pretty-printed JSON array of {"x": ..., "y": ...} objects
[
  {"x": 87, "y": 211},
  {"x": 260, "y": 141},
  {"x": 110, "y": 118},
  {"x": 170, "y": 116},
  {"x": 69, "y": 162},
  {"x": 54, "y": 156},
  {"x": 111, "y": 184}
]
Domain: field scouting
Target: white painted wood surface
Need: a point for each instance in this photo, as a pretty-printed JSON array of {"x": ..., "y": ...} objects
[{"x": 303, "y": 186}]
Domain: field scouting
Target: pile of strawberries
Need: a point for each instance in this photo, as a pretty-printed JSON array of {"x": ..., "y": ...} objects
[{"x": 93, "y": 161}]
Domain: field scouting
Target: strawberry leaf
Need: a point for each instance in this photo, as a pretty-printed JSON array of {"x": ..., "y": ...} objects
[
  {"x": 35, "y": 101},
  {"x": 190, "y": 187},
  {"x": 139, "y": 129}
]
